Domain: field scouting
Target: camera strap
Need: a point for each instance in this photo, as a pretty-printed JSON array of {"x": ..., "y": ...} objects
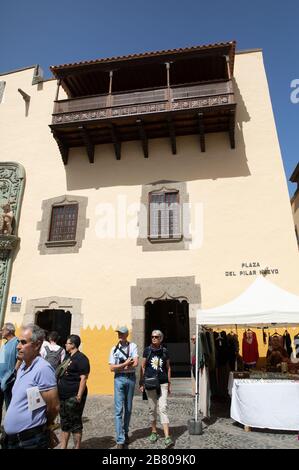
[{"x": 118, "y": 347}]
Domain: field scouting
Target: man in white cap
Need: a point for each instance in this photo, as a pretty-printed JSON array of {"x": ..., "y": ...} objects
[{"x": 123, "y": 361}]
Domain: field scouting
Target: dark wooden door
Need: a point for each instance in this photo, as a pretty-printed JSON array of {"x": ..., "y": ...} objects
[{"x": 172, "y": 318}]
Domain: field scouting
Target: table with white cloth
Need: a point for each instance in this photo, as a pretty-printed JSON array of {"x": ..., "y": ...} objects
[{"x": 266, "y": 403}]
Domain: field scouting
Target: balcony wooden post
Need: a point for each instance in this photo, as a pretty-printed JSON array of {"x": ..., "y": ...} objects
[
  {"x": 110, "y": 81},
  {"x": 228, "y": 67},
  {"x": 168, "y": 85},
  {"x": 232, "y": 129},
  {"x": 201, "y": 132},
  {"x": 88, "y": 143},
  {"x": 109, "y": 97},
  {"x": 64, "y": 150},
  {"x": 57, "y": 91},
  {"x": 143, "y": 137},
  {"x": 116, "y": 141}
]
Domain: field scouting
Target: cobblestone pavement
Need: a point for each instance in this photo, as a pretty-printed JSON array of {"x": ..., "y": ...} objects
[{"x": 219, "y": 432}]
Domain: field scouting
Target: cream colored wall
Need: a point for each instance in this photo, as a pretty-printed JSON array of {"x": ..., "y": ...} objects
[{"x": 242, "y": 192}]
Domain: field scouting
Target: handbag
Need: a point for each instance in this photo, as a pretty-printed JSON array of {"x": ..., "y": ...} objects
[{"x": 151, "y": 383}]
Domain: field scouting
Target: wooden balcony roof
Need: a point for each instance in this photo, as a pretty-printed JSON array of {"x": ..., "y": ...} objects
[
  {"x": 147, "y": 70},
  {"x": 226, "y": 48}
]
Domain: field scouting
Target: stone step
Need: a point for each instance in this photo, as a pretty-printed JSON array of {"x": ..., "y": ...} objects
[{"x": 181, "y": 386}]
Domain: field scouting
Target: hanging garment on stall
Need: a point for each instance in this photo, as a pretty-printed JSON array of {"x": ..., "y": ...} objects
[
  {"x": 296, "y": 343},
  {"x": 287, "y": 343},
  {"x": 221, "y": 348},
  {"x": 212, "y": 353},
  {"x": 250, "y": 350},
  {"x": 264, "y": 336},
  {"x": 233, "y": 349},
  {"x": 204, "y": 392},
  {"x": 222, "y": 367},
  {"x": 203, "y": 350}
]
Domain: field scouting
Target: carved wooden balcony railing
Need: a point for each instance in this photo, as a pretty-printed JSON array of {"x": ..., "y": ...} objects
[{"x": 162, "y": 112}]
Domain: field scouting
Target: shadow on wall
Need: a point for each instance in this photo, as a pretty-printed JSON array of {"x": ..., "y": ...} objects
[{"x": 219, "y": 160}]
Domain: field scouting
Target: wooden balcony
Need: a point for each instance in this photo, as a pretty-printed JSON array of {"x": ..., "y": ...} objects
[{"x": 143, "y": 115}]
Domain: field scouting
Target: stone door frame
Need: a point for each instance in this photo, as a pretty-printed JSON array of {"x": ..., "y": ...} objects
[
  {"x": 167, "y": 288},
  {"x": 60, "y": 303}
]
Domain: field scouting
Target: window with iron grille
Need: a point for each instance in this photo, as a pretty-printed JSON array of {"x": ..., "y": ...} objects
[
  {"x": 164, "y": 215},
  {"x": 64, "y": 222}
]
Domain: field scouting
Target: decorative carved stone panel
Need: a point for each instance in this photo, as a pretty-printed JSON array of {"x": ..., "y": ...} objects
[{"x": 12, "y": 181}]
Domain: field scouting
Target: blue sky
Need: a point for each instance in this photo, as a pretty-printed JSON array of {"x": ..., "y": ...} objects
[{"x": 51, "y": 32}]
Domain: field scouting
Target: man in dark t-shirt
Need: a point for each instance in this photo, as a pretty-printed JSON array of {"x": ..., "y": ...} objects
[{"x": 72, "y": 391}]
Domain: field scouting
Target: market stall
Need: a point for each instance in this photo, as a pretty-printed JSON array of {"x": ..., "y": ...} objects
[{"x": 262, "y": 304}]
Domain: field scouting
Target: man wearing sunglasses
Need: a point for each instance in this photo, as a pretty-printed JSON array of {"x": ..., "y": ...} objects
[{"x": 35, "y": 403}]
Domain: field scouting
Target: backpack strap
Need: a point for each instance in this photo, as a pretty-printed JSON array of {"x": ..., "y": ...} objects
[
  {"x": 47, "y": 349},
  {"x": 117, "y": 347}
]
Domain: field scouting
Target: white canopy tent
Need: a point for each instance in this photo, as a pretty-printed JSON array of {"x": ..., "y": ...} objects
[{"x": 262, "y": 303}]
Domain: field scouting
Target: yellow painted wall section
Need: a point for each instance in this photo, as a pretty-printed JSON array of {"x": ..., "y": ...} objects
[{"x": 96, "y": 345}]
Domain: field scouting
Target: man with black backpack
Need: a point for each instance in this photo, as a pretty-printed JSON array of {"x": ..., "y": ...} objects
[{"x": 51, "y": 351}]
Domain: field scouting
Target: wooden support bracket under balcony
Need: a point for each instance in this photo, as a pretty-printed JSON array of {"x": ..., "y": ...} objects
[
  {"x": 116, "y": 141},
  {"x": 171, "y": 130},
  {"x": 232, "y": 128},
  {"x": 64, "y": 150},
  {"x": 201, "y": 132},
  {"x": 88, "y": 143},
  {"x": 143, "y": 137}
]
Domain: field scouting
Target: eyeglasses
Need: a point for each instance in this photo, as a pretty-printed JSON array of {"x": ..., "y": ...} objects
[{"x": 157, "y": 337}]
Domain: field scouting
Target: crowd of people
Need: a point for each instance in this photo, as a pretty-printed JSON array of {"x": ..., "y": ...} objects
[{"x": 44, "y": 387}]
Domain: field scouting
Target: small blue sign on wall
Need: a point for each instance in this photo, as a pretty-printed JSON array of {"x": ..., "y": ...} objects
[{"x": 16, "y": 300}]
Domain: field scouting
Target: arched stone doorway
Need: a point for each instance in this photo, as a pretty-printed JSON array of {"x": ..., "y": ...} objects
[{"x": 181, "y": 293}]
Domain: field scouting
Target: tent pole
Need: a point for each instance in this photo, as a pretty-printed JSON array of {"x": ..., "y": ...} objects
[{"x": 196, "y": 376}]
